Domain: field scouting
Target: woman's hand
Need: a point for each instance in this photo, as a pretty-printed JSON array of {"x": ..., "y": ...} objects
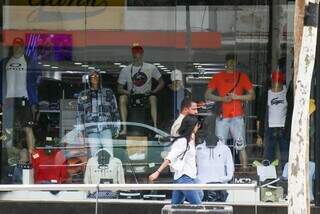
[{"x": 154, "y": 176}]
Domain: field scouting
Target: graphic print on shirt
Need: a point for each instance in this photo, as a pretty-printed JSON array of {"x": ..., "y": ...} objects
[
  {"x": 105, "y": 172},
  {"x": 277, "y": 108},
  {"x": 15, "y": 66},
  {"x": 139, "y": 79},
  {"x": 16, "y": 74}
]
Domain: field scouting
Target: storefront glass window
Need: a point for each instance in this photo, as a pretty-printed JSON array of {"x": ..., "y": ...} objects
[{"x": 91, "y": 91}]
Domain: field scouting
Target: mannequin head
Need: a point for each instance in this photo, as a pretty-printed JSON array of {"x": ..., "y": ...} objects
[
  {"x": 18, "y": 47},
  {"x": 94, "y": 80},
  {"x": 231, "y": 62},
  {"x": 277, "y": 79},
  {"x": 137, "y": 53}
]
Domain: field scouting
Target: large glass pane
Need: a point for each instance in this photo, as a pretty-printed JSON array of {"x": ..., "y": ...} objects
[{"x": 96, "y": 92}]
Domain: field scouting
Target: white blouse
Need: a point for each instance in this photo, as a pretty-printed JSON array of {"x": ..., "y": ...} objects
[{"x": 183, "y": 165}]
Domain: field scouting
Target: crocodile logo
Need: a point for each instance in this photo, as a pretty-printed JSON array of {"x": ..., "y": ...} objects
[{"x": 276, "y": 101}]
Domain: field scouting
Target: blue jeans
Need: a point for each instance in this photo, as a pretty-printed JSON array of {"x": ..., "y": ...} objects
[
  {"x": 99, "y": 140},
  {"x": 15, "y": 175},
  {"x": 274, "y": 136},
  {"x": 192, "y": 196}
]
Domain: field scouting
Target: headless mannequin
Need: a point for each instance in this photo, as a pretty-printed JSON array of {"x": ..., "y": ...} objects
[{"x": 277, "y": 86}]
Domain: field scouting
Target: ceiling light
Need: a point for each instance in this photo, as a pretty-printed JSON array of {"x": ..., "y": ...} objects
[
  {"x": 46, "y": 65},
  {"x": 55, "y": 67},
  {"x": 78, "y": 63},
  {"x": 211, "y": 72},
  {"x": 156, "y": 63},
  {"x": 117, "y": 63},
  {"x": 75, "y": 72},
  {"x": 122, "y": 66},
  {"x": 40, "y": 63},
  {"x": 166, "y": 69},
  {"x": 212, "y": 69},
  {"x": 91, "y": 68},
  {"x": 196, "y": 63},
  {"x": 160, "y": 66},
  {"x": 211, "y": 64},
  {"x": 84, "y": 66}
]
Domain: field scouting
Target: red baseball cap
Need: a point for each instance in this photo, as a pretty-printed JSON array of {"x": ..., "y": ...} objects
[
  {"x": 18, "y": 41},
  {"x": 277, "y": 76},
  {"x": 137, "y": 48}
]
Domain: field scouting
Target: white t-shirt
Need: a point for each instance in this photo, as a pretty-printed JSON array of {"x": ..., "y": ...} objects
[
  {"x": 184, "y": 165},
  {"x": 139, "y": 78},
  {"x": 214, "y": 164},
  {"x": 312, "y": 168},
  {"x": 277, "y": 108},
  {"x": 16, "y": 69},
  {"x": 176, "y": 125}
]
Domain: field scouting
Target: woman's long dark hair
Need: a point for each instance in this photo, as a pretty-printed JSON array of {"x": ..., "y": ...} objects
[
  {"x": 187, "y": 125},
  {"x": 185, "y": 131}
]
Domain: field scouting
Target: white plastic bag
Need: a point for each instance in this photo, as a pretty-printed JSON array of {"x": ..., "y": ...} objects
[{"x": 266, "y": 172}]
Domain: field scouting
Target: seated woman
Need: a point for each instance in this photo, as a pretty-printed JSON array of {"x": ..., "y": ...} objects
[{"x": 182, "y": 160}]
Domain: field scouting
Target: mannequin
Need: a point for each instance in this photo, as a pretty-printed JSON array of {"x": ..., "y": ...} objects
[
  {"x": 103, "y": 168},
  {"x": 215, "y": 165},
  {"x": 272, "y": 119},
  {"x": 136, "y": 79},
  {"x": 96, "y": 107}
]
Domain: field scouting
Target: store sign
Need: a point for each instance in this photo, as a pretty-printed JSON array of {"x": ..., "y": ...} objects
[
  {"x": 63, "y": 17},
  {"x": 66, "y": 2},
  {"x": 45, "y": 14}
]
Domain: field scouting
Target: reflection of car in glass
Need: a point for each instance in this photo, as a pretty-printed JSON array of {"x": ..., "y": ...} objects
[{"x": 142, "y": 149}]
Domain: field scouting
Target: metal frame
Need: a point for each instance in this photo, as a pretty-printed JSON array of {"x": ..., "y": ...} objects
[{"x": 86, "y": 187}]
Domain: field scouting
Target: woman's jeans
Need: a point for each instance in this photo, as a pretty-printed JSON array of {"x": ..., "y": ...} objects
[{"x": 192, "y": 196}]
